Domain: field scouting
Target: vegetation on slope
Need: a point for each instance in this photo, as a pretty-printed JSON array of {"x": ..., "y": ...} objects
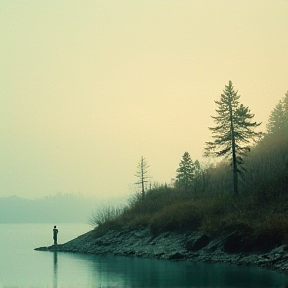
[{"x": 207, "y": 204}]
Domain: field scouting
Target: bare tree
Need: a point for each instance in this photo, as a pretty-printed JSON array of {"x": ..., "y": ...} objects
[{"x": 142, "y": 175}]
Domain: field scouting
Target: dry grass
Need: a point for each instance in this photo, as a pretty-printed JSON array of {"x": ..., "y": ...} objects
[{"x": 168, "y": 209}]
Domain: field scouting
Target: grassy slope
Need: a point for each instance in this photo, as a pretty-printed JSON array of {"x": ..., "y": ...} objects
[{"x": 261, "y": 211}]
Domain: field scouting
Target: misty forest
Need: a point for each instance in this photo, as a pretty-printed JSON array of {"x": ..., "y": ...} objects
[{"x": 244, "y": 190}]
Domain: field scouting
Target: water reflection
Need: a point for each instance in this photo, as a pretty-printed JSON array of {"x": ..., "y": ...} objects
[
  {"x": 55, "y": 269},
  {"x": 108, "y": 271}
]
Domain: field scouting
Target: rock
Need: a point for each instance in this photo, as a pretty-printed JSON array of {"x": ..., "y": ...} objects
[
  {"x": 233, "y": 247},
  {"x": 197, "y": 242},
  {"x": 176, "y": 256},
  {"x": 41, "y": 249},
  {"x": 238, "y": 242},
  {"x": 266, "y": 242},
  {"x": 51, "y": 248},
  {"x": 279, "y": 250}
]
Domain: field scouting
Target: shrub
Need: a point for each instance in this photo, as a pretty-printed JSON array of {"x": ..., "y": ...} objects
[
  {"x": 273, "y": 224},
  {"x": 105, "y": 214},
  {"x": 182, "y": 215}
]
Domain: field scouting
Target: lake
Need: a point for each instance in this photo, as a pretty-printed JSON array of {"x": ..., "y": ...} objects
[{"x": 21, "y": 266}]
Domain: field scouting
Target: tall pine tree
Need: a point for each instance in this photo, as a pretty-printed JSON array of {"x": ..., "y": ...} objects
[{"x": 233, "y": 132}]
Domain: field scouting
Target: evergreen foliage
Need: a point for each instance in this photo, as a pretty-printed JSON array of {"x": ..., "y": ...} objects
[
  {"x": 233, "y": 132},
  {"x": 278, "y": 119},
  {"x": 185, "y": 173}
]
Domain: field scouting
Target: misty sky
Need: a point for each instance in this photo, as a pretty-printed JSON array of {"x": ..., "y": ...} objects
[{"x": 88, "y": 87}]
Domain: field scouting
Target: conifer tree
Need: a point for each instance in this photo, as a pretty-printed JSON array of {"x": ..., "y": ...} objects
[
  {"x": 278, "y": 119},
  {"x": 185, "y": 173},
  {"x": 285, "y": 103},
  {"x": 233, "y": 132}
]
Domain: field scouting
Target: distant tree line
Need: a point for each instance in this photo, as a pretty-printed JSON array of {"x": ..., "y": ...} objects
[{"x": 58, "y": 208}]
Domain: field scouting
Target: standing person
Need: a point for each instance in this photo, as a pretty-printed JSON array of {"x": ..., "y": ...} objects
[{"x": 55, "y": 232}]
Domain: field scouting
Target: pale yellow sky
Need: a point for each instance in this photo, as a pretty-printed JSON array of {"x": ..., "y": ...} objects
[{"x": 88, "y": 87}]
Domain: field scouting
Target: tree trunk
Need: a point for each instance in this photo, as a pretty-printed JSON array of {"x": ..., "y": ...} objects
[
  {"x": 234, "y": 158},
  {"x": 142, "y": 178}
]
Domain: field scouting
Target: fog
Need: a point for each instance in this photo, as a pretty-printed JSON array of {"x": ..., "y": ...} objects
[
  {"x": 87, "y": 88},
  {"x": 58, "y": 208}
]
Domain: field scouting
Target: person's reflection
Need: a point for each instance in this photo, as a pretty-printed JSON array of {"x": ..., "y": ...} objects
[{"x": 55, "y": 269}]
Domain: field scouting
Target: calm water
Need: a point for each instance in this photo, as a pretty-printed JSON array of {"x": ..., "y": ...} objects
[{"x": 21, "y": 266}]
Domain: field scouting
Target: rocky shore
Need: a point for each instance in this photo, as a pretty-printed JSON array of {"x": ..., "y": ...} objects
[{"x": 234, "y": 247}]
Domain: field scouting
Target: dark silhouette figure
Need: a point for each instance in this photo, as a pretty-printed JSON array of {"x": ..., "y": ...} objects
[{"x": 55, "y": 232}]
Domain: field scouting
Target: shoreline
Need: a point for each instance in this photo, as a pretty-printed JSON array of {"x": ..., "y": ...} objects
[{"x": 194, "y": 246}]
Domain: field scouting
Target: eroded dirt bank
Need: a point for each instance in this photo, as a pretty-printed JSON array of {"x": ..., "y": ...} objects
[{"x": 234, "y": 247}]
